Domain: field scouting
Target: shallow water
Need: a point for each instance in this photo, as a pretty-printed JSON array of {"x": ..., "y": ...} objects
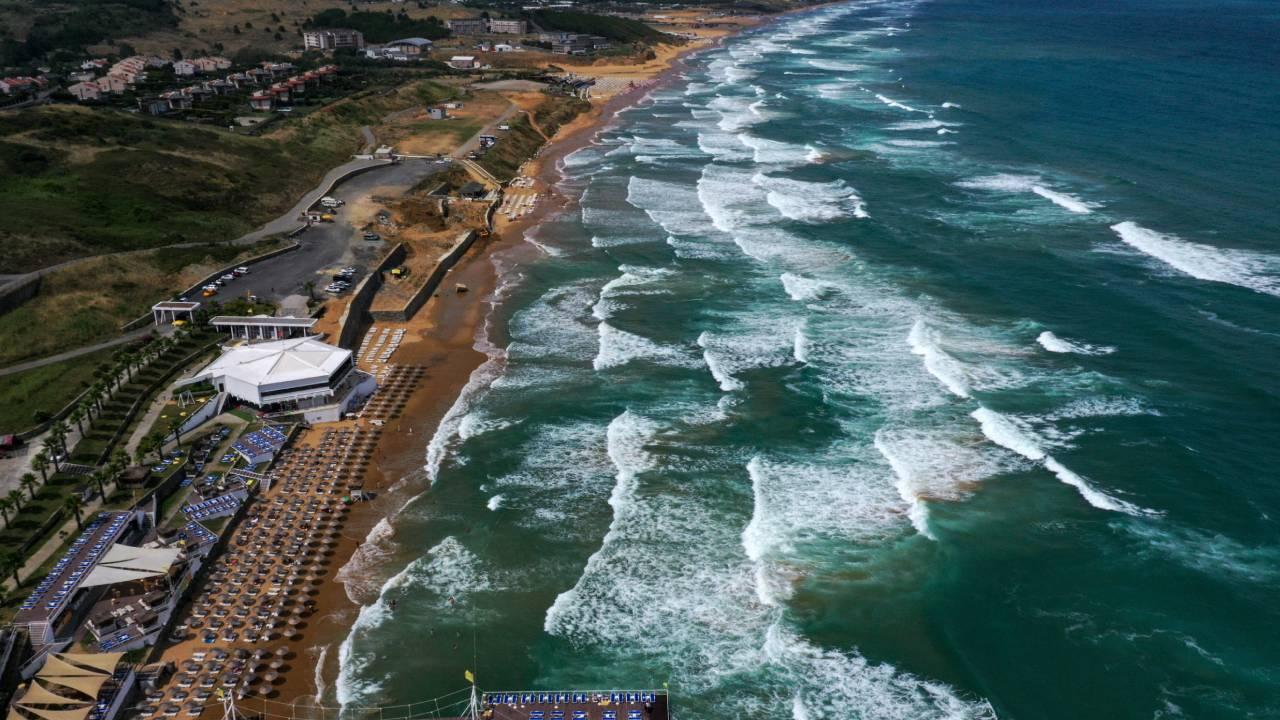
[{"x": 905, "y": 360}]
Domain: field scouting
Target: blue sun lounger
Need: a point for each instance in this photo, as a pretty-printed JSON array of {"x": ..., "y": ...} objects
[
  {"x": 579, "y": 715},
  {"x": 579, "y": 697},
  {"x": 526, "y": 699},
  {"x": 610, "y": 715},
  {"x": 537, "y": 715},
  {"x": 557, "y": 715},
  {"x": 633, "y": 715}
]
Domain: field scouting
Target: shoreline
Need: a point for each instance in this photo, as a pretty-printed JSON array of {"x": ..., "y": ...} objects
[{"x": 445, "y": 338}]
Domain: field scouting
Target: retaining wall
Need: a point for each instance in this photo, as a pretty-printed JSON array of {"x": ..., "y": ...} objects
[
  {"x": 354, "y": 317},
  {"x": 428, "y": 288},
  {"x": 17, "y": 291}
]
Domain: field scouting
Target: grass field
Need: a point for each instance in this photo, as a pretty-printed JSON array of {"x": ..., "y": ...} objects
[
  {"x": 46, "y": 389},
  {"x": 89, "y": 302}
]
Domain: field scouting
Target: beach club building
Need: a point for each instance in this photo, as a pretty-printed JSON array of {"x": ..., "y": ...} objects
[{"x": 295, "y": 375}]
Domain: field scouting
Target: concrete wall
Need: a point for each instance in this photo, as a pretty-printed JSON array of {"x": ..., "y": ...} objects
[
  {"x": 424, "y": 293},
  {"x": 357, "y": 312},
  {"x": 17, "y": 291}
]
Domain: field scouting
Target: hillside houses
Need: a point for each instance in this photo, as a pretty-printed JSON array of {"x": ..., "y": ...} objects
[
  {"x": 22, "y": 84},
  {"x": 271, "y": 86}
]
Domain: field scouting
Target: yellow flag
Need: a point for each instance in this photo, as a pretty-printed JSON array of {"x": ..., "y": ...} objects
[{"x": 470, "y": 677}]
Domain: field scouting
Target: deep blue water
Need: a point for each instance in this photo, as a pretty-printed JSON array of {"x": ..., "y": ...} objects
[{"x": 904, "y": 360}]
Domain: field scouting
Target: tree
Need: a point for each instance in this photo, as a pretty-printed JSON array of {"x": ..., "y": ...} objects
[
  {"x": 10, "y": 564},
  {"x": 5, "y": 506},
  {"x": 77, "y": 417},
  {"x": 41, "y": 464},
  {"x": 311, "y": 289},
  {"x": 156, "y": 441},
  {"x": 16, "y": 497},
  {"x": 58, "y": 432},
  {"x": 29, "y": 483},
  {"x": 51, "y": 449},
  {"x": 74, "y": 504},
  {"x": 99, "y": 478}
]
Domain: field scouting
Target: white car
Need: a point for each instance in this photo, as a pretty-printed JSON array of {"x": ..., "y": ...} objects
[
  {"x": 228, "y": 277},
  {"x": 242, "y": 270}
]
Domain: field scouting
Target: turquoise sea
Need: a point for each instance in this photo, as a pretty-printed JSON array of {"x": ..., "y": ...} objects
[{"x": 903, "y": 360}]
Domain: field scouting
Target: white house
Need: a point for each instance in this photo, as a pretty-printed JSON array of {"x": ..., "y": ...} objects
[
  {"x": 85, "y": 91},
  {"x": 463, "y": 62},
  {"x": 184, "y": 67}
]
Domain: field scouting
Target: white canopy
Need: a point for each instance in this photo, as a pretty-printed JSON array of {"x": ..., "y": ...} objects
[{"x": 123, "y": 563}]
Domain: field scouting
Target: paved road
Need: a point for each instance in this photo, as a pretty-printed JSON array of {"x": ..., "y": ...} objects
[
  {"x": 134, "y": 335},
  {"x": 289, "y": 222},
  {"x": 326, "y": 247}
]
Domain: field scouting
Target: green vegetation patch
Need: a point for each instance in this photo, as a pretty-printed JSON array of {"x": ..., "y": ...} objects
[
  {"x": 45, "y": 390},
  {"x": 513, "y": 148},
  {"x": 624, "y": 30},
  {"x": 380, "y": 27}
]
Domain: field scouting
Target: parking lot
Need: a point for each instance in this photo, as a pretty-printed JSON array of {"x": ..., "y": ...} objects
[{"x": 327, "y": 247}]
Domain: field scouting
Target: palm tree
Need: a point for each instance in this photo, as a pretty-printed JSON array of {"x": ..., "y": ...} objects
[
  {"x": 5, "y": 506},
  {"x": 10, "y": 564},
  {"x": 41, "y": 464},
  {"x": 99, "y": 478},
  {"x": 29, "y": 483},
  {"x": 58, "y": 433},
  {"x": 311, "y": 289},
  {"x": 74, "y": 504},
  {"x": 77, "y": 417},
  {"x": 16, "y": 497},
  {"x": 52, "y": 452},
  {"x": 156, "y": 441}
]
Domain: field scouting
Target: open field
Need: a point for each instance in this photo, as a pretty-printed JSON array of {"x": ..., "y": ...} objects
[
  {"x": 45, "y": 389},
  {"x": 86, "y": 303}
]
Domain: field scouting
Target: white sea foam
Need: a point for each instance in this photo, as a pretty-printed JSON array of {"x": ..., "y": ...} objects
[
  {"x": 443, "y": 578},
  {"x": 924, "y": 342},
  {"x": 726, "y": 381},
  {"x": 1053, "y": 343},
  {"x": 1256, "y": 271},
  {"x": 835, "y": 66},
  {"x": 774, "y": 152},
  {"x": 803, "y": 289},
  {"x": 951, "y": 106},
  {"x": 1003, "y": 431},
  {"x": 930, "y": 124},
  {"x": 495, "y": 502},
  {"x": 1010, "y": 183},
  {"x": 811, "y": 202},
  {"x": 668, "y": 204},
  {"x": 619, "y": 347},
  {"x": 917, "y": 144},
  {"x": 896, "y": 104},
  {"x": 800, "y": 346}
]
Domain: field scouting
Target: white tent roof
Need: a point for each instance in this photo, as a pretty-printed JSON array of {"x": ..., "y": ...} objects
[
  {"x": 279, "y": 361},
  {"x": 123, "y": 563}
]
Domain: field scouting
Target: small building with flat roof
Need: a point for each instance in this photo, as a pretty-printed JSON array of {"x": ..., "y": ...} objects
[
  {"x": 264, "y": 327},
  {"x": 166, "y": 312}
]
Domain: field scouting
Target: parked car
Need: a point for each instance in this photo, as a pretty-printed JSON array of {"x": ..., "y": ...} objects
[
  {"x": 242, "y": 270},
  {"x": 228, "y": 277}
]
